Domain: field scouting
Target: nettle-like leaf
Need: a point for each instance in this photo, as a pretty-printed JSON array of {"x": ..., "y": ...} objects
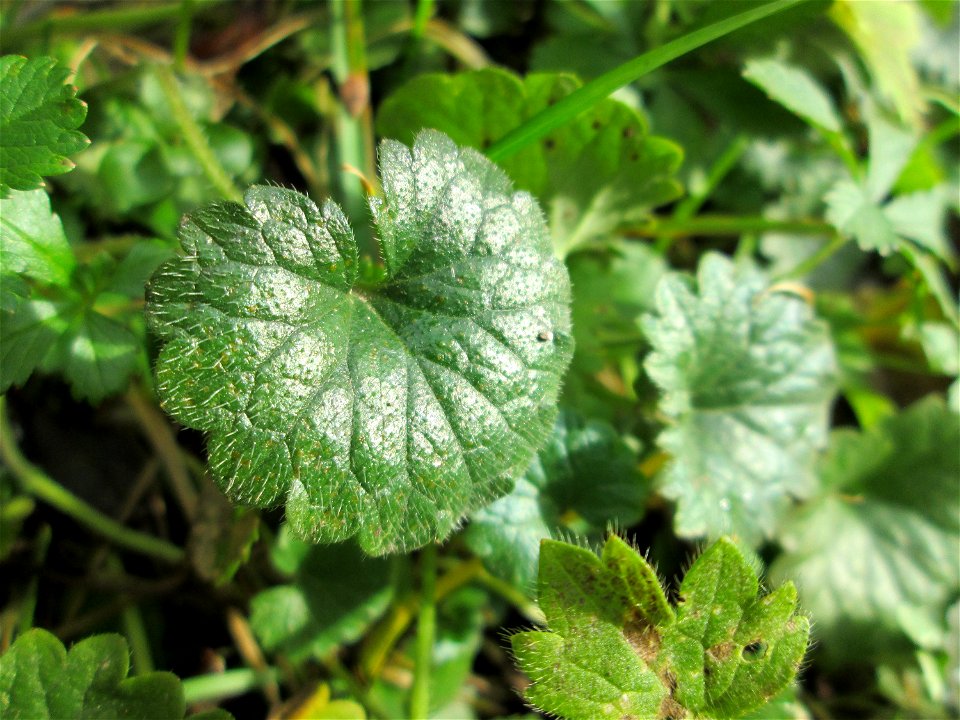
[
  {"x": 584, "y": 479},
  {"x": 747, "y": 378},
  {"x": 384, "y": 410},
  {"x": 40, "y": 679},
  {"x": 877, "y": 554},
  {"x": 616, "y": 648},
  {"x": 336, "y": 595},
  {"x": 594, "y": 174},
  {"x": 39, "y": 117}
]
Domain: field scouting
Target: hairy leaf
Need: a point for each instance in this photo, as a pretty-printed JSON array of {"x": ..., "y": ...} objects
[
  {"x": 582, "y": 480},
  {"x": 40, "y": 679},
  {"x": 747, "y": 378},
  {"x": 616, "y": 648},
  {"x": 336, "y": 594},
  {"x": 601, "y": 170},
  {"x": 386, "y": 410},
  {"x": 39, "y": 117},
  {"x": 880, "y": 547}
]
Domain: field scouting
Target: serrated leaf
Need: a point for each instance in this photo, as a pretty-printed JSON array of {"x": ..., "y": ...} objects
[
  {"x": 615, "y": 648},
  {"x": 28, "y": 332},
  {"x": 882, "y": 542},
  {"x": 851, "y": 210},
  {"x": 337, "y": 593},
  {"x": 40, "y": 679},
  {"x": 39, "y": 117},
  {"x": 32, "y": 241},
  {"x": 596, "y": 173},
  {"x": 384, "y": 411},
  {"x": 747, "y": 379},
  {"x": 795, "y": 89},
  {"x": 582, "y": 480}
]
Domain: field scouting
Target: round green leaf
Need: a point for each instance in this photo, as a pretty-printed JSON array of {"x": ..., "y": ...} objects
[{"x": 387, "y": 410}]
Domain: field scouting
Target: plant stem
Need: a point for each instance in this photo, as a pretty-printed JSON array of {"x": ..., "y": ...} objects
[
  {"x": 814, "y": 261},
  {"x": 134, "y": 629},
  {"x": 227, "y": 684},
  {"x": 181, "y": 41},
  {"x": 193, "y": 135},
  {"x": 689, "y": 206},
  {"x": 124, "y": 18},
  {"x": 426, "y": 631},
  {"x": 35, "y": 482},
  {"x": 724, "y": 225},
  {"x": 596, "y": 90},
  {"x": 423, "y": 14}
]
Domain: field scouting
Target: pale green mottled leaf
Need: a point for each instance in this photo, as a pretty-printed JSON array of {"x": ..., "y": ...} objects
[
  {"x": 385, "y": 411},
  {"x": 795, "y": 89},
  {"x": 39, "y": 117},
  {"x": 582, "y": 480},
  {"x": 882, "y": 542},
  {"x": 851, "y": 210},
  {"x": 615, "y": 648},
  {"x": 596, "y": 173},
  {"x": 747, "y": 380},
  {"x": 40, "y": 680}
]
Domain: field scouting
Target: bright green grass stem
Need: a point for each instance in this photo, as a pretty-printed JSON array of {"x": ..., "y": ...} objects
[{"x": 596, "y": 90}]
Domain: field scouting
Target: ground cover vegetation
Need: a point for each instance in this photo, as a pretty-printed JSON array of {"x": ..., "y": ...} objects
[{"x": 479, "y": 359}]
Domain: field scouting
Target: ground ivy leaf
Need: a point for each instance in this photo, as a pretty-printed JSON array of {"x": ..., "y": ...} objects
[
  {"x": 32, "y": 241},
  {"x": 881, "y": 544},
  {"x": 40, "y": 679},
  {"x": 630, "y": 172},
  {"x": 336, "y": 594},
  {"x": 39, "y": 117},
  {"x": 615, "y": 648},
  {"x": 583, "y": 479},
  {"x": 747, "y": 380},
  {"x": 384, "y": 411}
]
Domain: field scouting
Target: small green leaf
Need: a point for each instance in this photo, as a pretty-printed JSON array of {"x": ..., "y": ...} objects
[
  {"x": 39, "y": 117},
  {"x": 853, "y": 213},
  {"x": 795, "y": 89},
  {"x": 583, "y": 479},
  {"x": 32, "y": 241},
  {"x": 747, "y": 378},
  {"x": 615, "y": 648},
  {"x": 384, "y": 411},
  {"x": 336, "y": 594},
  {"x": 882, "y": 542},
  {"x": 39, "y": 679},
  {"x": 598, "y": 172}
]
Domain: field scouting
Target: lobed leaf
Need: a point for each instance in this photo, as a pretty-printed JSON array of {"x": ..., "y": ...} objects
[
  {"x": 40, "y": 679},
  {"x": 39, "y": 117},
  {"x": 876, "y": 554},
  {"x": 747, "y": 380},
  {"x": 616, "y": 648},
  {"x": 382, "y": 410}
]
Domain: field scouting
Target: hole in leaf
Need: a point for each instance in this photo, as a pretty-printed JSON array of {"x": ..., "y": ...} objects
[
  {"x": 754, "y": 651},
  {"x": 549, "y": 143}
]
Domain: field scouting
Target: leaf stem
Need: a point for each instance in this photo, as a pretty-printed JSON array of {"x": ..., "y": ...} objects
[
  {"x": 725, "y": 225},
  {"x": 123, "y": 18},
  {"x": 226, "y": 684},
  {"x": 35, "y": 482},
  {"x": 426, "y": 632},
  {"x": 596, "y": 90},
  {"x": 807, "y": 266},
  {"x": 181, "y": 40},
  {"x": 193, "y": 135}
]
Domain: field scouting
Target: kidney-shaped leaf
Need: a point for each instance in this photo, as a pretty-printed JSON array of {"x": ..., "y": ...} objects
[{"x": 384, "y": 410}]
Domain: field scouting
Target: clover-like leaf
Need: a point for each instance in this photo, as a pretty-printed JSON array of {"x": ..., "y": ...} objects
[
  {"x": 383, "y": 410},
  {"x": 747, "y": 380},
  {"x": 877, "y": 554},
  {"x": 601, "y": 170},
  {"x": 615, "y": 647},
  {"x": 584, "y": 479},
  {"x": 39, "y": 678},
  {"x": 39, "y": 117}
]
